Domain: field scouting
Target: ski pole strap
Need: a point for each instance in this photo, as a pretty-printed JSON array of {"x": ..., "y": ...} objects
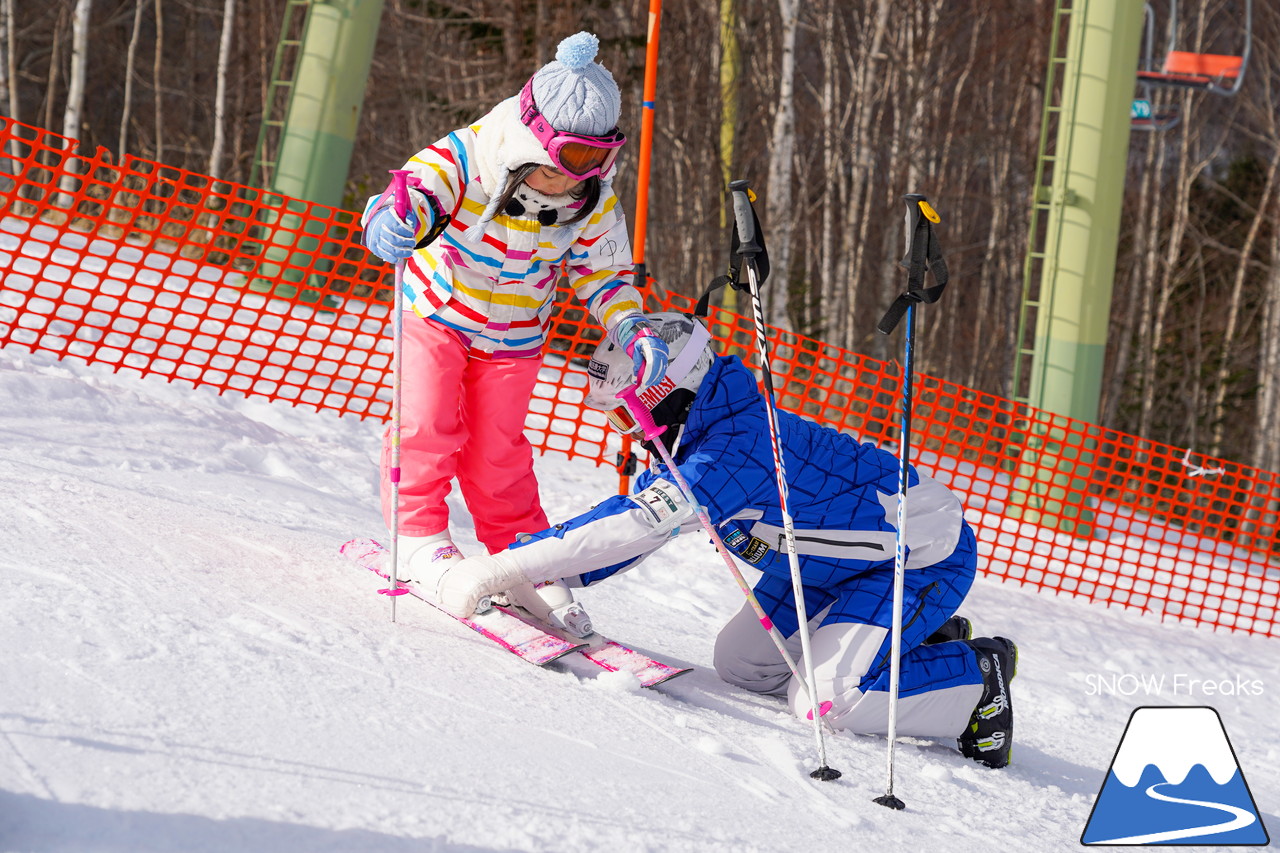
[
  {"x": 397, "y": 190},
  {"x": 704, "y": 302},
  {"x": 747, "y": 243},
  {"x": 924, "y": 255},
  {"x": 441, "y": 222}
]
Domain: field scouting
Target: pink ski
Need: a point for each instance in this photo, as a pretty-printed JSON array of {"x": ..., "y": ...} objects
[
  {"x": 522, "y": 634},
  {"x": 521, "y": 638},
  {"x": 610, "y": 654},
  {"x": 614, "y": 656}
]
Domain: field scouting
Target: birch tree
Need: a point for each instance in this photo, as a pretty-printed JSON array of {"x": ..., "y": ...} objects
[
  {"x": 79, "y": 64},
  {"x": 779, "y": 208},
  {"x": 730, "y": 69},
  {"x": 157, "y": 62},
  {"x": 75, "y": 87},
  {"x": 832, "y": 165},
  {"x": 220, "y": 99},
  {"x": 1236, "y": 306},
  {"x": 131, "y": 57},
  {"x": 9, "y": 71},
  {"x": 869, "y": 94},
  {"x": 6, "y": 57},
  {"x": 1266, "y": 450}
]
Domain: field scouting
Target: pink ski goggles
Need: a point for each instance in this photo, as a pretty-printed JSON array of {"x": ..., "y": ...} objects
[{"x": 577, "y": 155}]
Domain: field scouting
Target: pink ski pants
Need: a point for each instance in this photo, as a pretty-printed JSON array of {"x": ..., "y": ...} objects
[{"x": 462, "y": 417}]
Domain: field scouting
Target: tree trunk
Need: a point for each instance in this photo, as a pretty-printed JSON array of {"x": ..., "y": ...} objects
[
  {"x": 75, "y": 90},
  {"x": 130, "y": 62},
  {"x": 869, "y": 93},
  {"x": 220, "y": 98},
  {"x": 730, "y": 70},
  {"x": 779, "y": 210},
  {"x": 1136, "y": 293},
  {"x": 1266, "y": 450},
  {"x": 55, "y": 62},
  {"x": 1184, "y": 180},
  {"x": 9, "y": 71},
  {"x": 11, "y": 59},
  {"x": 155, "y": 77},
  {"x": 6, "y": 55},
  {"x": 832, "y": 175},
  {"x": 1235, "y": 305}
]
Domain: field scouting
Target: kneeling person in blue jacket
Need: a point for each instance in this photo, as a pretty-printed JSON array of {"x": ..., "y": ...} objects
[{"x": 843, "y": 499}]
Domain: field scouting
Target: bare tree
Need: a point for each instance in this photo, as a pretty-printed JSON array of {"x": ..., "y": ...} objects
[
  {"x": 1266, "y": 450},
  {"x": 1236, "y": 305},
  {"x": 778, "y": 205},
  {"x": 730, "y": 74},
  {"x": 11, "y": 59},
  {"x": 156, "y": 64},
  {"x": 79, "y": 68},
  {"x": 129, "y": 71},
  {"x": 868, "y": 93},
  {"x": 220, "y": 99},
  {"x": 7, "y": 70},
  {"x": 75, "y": 92},
  {"x": 833, "y": 160}
]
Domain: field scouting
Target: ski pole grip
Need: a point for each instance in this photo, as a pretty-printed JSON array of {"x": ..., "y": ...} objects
[
  {"x": 638, "y": 411},
  {"x": 916, "y": 205},
  {"x": 744, "y": 218},
  {"x": 400, "y": 192}
]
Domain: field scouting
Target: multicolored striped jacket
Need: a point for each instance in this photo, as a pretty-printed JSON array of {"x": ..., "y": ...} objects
[{"x": 498, "y": 292}]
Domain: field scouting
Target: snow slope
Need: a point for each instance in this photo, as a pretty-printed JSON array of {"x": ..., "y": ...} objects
[{"x": 189, "y": 666}]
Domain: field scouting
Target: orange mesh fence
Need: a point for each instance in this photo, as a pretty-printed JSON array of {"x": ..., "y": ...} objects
[{"x": 153, "y": 270}]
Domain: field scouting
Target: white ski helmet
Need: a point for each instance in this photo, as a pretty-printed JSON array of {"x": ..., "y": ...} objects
[{"x": 611, "y": 370}]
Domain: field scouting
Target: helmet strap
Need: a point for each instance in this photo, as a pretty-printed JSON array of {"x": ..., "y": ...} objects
[{"x": 672, "y": 412}]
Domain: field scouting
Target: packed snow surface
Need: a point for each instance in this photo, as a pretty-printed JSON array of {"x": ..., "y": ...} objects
[{"x": 189, "y": 665}]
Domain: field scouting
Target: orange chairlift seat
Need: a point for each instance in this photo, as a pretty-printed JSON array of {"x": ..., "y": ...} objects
[
  {"x": 1218, "y": 73},
  {"x": 1196, "y": 70}
]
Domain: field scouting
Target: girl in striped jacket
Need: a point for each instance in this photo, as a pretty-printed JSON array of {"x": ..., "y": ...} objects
[{"x": 498, "y": 212}]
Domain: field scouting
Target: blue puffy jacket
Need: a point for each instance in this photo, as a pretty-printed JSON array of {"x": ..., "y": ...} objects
[{"x": 843, "y": 498}]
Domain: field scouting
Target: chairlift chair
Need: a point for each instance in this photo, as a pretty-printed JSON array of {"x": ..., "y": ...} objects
[{"x": 1220, "y": 74}]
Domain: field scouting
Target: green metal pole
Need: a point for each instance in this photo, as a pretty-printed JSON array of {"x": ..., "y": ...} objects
[
  {"x": 1082, "y": 232},
  {"x": 318, "y": 138},
  {"x": 324, "y": 108},
  {"x": 1084, "y": 220}
]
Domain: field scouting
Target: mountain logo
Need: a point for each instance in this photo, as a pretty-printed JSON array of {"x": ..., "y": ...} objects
[{"x": 1175, "y": 780}]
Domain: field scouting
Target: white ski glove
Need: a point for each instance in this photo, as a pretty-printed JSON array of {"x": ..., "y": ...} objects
[{"x": 463, "y": 583}]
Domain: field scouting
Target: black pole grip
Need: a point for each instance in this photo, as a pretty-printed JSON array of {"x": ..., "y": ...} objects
[
  {"x": 744, "y": 218},
  {"x": 923, "y": 255}
]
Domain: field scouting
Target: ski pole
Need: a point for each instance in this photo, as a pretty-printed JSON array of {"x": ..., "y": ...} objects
[
  {"x": 899, "y": 559},
  {"x": 400, "y": 188},
  {"x": 922, "y": 254},
  {"x": 744, "y": 217},
  {"x": 651, "y": 431}
]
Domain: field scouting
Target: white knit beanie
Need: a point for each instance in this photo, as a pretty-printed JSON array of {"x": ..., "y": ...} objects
[{"x": 575, "y": 93}]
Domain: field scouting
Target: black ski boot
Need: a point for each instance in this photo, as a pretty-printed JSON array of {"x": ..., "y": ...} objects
[
  {"x": 989, "y": 737},
  {"x": 955, "y": 628}
]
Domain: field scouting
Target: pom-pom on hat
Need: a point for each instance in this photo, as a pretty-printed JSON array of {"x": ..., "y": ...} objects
[{"x": 576, "y": 93}]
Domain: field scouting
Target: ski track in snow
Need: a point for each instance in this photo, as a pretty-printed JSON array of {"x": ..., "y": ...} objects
[{"x": 189, "y": 665}]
